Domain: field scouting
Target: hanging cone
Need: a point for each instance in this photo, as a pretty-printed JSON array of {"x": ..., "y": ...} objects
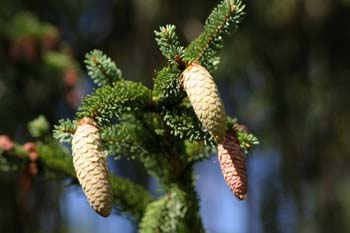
[
  {"x": 232, "y": 163},
  {"x": 90, "y": 165},
  {"x": 205, "y": 99}
]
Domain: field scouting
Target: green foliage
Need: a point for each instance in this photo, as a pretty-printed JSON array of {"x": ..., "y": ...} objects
[
  {"x": 4, "y": 167},
  {"x": 135, "y": 138},
  {"x": 37, "y": 68},
  {"x": 57, "y": 162},
  {"x": 55, "y": 159},
  {"x": 109, "y": 102},
  {"x": 165, "y": 214},
  {"x": 101, "y": 68},
  {"x": 246, "y": 140},
  {"x": 167, "y": 87},
  {"x": 169, "y": 43},
  {"x": 58, "y": 60},
  {"x": 184, "y": 124},
  {"x": 64, "y": 131},
  {"x": 130, "y": 138},
  {"x": 39, "y": 127},
  {"x": 23, "y": 24},
  {"x": 223, "y": 20},
  {"x": 121, "y": 139},
  {"x": 196, "y": 151},
  {"x": 152, "y": 217},
  {"x": 129, "y": 197}
]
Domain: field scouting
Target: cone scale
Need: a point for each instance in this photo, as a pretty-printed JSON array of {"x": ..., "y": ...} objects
[
  {"x": 205, "y": 99},
  {"x": 232, "y": 163},
  {"x": 89, "y": 160}
]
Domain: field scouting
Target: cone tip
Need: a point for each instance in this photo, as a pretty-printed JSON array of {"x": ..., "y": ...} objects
[
  {"x": 87, "y": 121},
  {"x": 104, "y": 212},
  {"x": 242, "y": 197}
]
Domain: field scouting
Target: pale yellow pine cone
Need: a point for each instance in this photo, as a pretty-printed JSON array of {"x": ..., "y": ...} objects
[
  {"x": 232, "y": 163},
  {"x": 90, "y": 164},
  {"x": 205, "y": 99}
]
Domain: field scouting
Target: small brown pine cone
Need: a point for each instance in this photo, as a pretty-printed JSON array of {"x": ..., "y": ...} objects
[
  {"x": 205, "y": 99},
  {"x": 232, "y": 163},
  {"x": 90, "y": 164}
]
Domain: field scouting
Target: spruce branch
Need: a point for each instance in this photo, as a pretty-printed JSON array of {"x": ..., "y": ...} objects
[
  {"x": 246, "y": 140},
  {"x": 118, "y": 139},
  {"x": 196, "y": 151},
  {"x": 64, "y": 131},
  {"x": 39, "y": 127},
  {"x": 101, "y": 68},
  {"x": 169, "y": 45},
  {"x": 54, "y": 158},
  {"x": 130, "y": 139},
  {"x": 166, "y": 84},
  {"x": 123, "y": 140},
  {"x": 185, "y": 125},
  {"x": 150, "y": 222},
  {"x": 129, "y": 197},
  {"x": 167, "y": 214},
  {"x": 167, "y": 87},
  {"x": 223, "y": 20},
  {"x": 110, "y": 102}
]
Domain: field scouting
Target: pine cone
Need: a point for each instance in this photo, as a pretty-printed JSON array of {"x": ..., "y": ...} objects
[
  {"x": 205, "y": 99},
  {"x": 232, "y": 162},
  {"x": 90, "y": 165}
]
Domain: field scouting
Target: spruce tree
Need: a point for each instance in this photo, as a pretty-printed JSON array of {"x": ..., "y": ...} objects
[{"x": 168, "y": 128}]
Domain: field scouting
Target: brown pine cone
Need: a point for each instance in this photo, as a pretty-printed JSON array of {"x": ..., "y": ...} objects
[
  {"x": 232, "y": 163},
  {"x": 90, "y": 164}
]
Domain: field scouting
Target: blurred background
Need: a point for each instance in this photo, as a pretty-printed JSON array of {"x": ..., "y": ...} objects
[{"x": 285, "y": 74}]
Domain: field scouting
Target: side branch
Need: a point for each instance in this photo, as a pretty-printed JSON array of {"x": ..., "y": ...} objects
[
  {"x": 101, "y": 68},
  {"x": 129, "y": 197},
  {"x": 221, "y": 22},
  {"x": 110, "y": 102}
]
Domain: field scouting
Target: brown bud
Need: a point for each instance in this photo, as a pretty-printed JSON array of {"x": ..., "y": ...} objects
[
  {"x": 33, "y": 156},
  {"x": 70, "y": 77},
  {"x": 6, "y": 143},
  {"x": 29, "y": 146}
]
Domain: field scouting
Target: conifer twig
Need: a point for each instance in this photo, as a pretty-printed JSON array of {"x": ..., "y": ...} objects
[{"x": 128, "y": 196}]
